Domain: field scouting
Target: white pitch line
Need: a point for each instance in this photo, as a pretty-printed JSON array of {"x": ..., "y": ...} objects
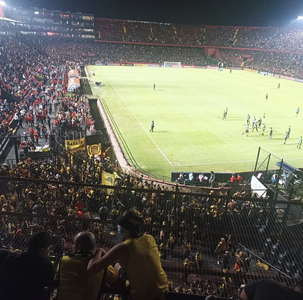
[
  {"x": 295, "y": 158},
  {"x": 138, "y": 121},
  {"x": 215, "y": 163},
  {"x": 225, "y": 162},
  {"x": 262, "y": 146}
]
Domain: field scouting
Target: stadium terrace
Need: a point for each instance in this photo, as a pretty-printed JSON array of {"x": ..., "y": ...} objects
[{"x": 114, "y": 129}]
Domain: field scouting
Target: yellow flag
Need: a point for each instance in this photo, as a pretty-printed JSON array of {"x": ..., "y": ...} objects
[
  {"x": 94, "y": 149},
  {"x": 108, "y": 179},
  {"x": 262, "y": 265}
]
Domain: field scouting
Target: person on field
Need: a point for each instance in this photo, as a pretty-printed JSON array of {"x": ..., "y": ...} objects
[
  {"x": 225, "y": 113},
  {"x": 248, "y": 119},
  {"x": 285, "y": 138},
  {"x": 288, "y": 131},
  {"x": 263, "y": 128},
  {"x": 270, "y": 134},
  {"x": 297, "y": 111},
  {"x": 299, "y": 143},
  {"x": 255, "y": 125},
  {"x": 246, "y": 130},
  {"x": 152, "y": 125}
]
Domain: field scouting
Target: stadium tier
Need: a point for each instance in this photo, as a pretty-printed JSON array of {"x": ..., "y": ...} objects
[
  {"x": 279, "y": 39},
  {"x": 68, "y": 166}
]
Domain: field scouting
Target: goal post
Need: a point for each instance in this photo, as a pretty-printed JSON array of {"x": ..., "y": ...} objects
[{"x": 169, "y": 64}]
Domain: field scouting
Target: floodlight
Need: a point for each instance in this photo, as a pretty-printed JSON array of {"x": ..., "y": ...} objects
[
  {"x": 2, "y": 3},
  {"x": 300, "y": 18},
  {"x": 36, "y": 13}
]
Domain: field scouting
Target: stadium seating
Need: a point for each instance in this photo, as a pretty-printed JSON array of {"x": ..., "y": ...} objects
[
  {"x": 64, "y": 198},
  {"x": 280, "y": 39}
]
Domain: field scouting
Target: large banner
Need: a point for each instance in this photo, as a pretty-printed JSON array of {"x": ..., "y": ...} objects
[
  {"x": 75, "y": 145},
  {"x": 108, "y": 179},
  {"x": 73, "y": 84}
]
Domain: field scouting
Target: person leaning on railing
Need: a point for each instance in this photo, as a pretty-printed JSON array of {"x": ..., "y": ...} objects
[{"x": 139, "y": 256}]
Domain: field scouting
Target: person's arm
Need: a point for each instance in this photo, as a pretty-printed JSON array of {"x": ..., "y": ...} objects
[
  {"x": 98, "y": 263},
  {"x": 243, "y": 295}
]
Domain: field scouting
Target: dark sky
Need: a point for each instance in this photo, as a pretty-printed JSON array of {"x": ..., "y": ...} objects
[{"x": 208, "y": 12}]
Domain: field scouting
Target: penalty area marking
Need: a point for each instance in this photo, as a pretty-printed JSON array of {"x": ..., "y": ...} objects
[
  {"x": 216, "y": 163},
  {"x": 262, "y": 146},
  {"x": 227, "y": 162},
  {"x": 138, "y": 120}
]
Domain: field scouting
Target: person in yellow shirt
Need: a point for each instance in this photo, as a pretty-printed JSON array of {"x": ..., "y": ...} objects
[
  {"x": 74, "y": 281},
  {"x": 139, "y": 257}
]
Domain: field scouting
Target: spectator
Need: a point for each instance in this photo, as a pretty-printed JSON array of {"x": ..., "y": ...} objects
[
  {"x": 212, "y": 178},
  {"x": 140, "y": 258},
  {"x": 233, "y": 180},
  {"x": 269, "y": 289},
  {"x": 239, "y": 179},
  {"x": 74, "y": 281},
  {"x": 25, "y": 275}
]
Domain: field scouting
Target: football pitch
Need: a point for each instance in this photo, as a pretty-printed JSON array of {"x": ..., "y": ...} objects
[{"x": 187, "y": 108}]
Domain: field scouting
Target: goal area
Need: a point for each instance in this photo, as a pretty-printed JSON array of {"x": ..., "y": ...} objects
[{"x": 169, "y": 64}]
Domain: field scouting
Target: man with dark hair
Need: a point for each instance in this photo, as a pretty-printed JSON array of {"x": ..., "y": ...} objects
[
  {"x": 139, "y": 256},
  {"x": 74, "y": 281},
  {"x": 269, "y": 289},
  {"x": 24, "y": 276}
]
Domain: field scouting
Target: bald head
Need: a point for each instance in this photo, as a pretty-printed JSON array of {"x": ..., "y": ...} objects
[{"x": 84, "y": 242}]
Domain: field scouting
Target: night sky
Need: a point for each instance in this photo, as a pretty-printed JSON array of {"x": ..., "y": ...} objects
[{"x": 195, "y": 12}]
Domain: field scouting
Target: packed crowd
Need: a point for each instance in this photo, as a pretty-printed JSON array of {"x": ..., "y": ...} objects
[
  {"x": 178, "y": 227},
  {"x": 61, "y": 206},
  {"x": 278, "y": 39},
  {"x": 276, "y": 63},
  {"x": 110, "y": 52},
  {"x": 182, "y": 227},
  {"x": 34, "y": 83},
  {"x": 281, "y": 39}
]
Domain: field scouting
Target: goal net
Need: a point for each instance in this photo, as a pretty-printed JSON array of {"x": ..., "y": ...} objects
[{"x": 168, "y": 64}]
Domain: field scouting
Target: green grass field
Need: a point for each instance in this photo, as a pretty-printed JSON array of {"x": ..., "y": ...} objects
[{"x": 187, "y": 107}]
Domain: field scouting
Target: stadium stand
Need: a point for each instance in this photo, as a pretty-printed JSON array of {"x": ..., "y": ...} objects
[
  {"x": 217, "y": 240},
  {"x": 280, "y": 39}
]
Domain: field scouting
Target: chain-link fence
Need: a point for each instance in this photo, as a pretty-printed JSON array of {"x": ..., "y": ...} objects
[{"x": 182, "y": 223}]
